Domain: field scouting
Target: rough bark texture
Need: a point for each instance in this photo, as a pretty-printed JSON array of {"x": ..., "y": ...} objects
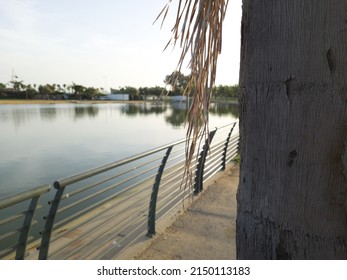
[{"x": 293, "y": 111}]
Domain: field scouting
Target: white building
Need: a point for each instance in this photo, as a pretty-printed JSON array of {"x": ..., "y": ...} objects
[{"x": 117, "y": 96}]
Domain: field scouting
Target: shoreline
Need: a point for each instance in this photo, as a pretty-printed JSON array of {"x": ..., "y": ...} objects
[{"x": 44, "y": 101}]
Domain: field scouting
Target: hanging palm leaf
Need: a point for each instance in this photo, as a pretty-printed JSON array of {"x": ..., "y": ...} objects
[{"x": 198, "y": 30}]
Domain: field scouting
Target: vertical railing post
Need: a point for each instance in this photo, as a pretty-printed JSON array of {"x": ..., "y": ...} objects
[
  {"x": 23, "y": 238},
  {"x": 199, "y": 174},
  {"x": 154, "y": 195},
  {"x": 226, "y": 147},
  {"x": 47, "y": 232}
]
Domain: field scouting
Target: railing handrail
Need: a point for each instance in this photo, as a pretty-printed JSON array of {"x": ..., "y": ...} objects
[
  {"x": 17, "y": 198},
  {"x": 95, "y": 171},
  {"x": 61, "y": 183}
]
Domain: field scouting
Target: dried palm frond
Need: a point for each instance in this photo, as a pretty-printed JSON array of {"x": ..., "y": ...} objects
[{"x": 198, "y": 29}]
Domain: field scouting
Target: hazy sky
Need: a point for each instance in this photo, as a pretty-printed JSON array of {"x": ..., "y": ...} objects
[{"x": 98, "y": 43}]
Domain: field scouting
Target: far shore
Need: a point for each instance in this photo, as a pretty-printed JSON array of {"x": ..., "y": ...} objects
[
  {"x": 52, "y": 101},
  {"x": 44, "y": 101}
]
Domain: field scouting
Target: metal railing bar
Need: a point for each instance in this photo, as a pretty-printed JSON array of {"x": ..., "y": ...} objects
[
  {"x": 233, "y": 149},
  {"x": 116, "y": 234},
  {"x": 124, "y": 225},
  {"x": 177, "y": 173},
  {"x": 164, "y": 194},
  {"x": 221, "y": 135},
  {"x": 175, "y": 157},
  {"x": 95, "y": 171},
  {"x": 183, "y": 196},
  {"x": 82, "y": 212},
  {"x": 16, "y": 217},
  {"x": 165, "y": 201},
  {"x": 70, "y": 194},
  {"x": 215, "y": 147},
  {"x": 128, "y": 235},
  {"x": 212, "y": 171},
  {"x": 10, "y": 233},
  {"x": 216, "y": 165},
  {"x": 92, "y": 172},
  {"x": 107, "y": 189},
  {"x": 37, "y": 191},
  {"x": 141, "y": 212},
  {"x": 97, "y": 226},
  {"x": 177, "y": 196},
  {"x": 217, "y": 143},
  {"x": 233, "y": 155},
  {"x": 15, "y": 231},
  {"x": 95, "y": 205},
  {"x": 233, "y": 140},
  {"x": 108, "y": 256},
  {"x": 100, "y": 213},
  {"x": 233, "y": 145},
  {"x": 140, "y": 224},
  {"x": 12, "y": 218},
  {"x": 168, "y": 180},
  {"x": 212, "y": 157},
  {"x": 173, "y": 169},
  {"x": 7, "y": 252},
  {"x": 216, "y": 151}
]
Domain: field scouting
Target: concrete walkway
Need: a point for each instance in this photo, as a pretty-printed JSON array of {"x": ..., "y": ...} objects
[{"x": 206, "y": 230}]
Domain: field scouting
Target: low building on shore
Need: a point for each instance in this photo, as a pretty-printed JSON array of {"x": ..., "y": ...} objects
[{"x": 115, "y": 96}]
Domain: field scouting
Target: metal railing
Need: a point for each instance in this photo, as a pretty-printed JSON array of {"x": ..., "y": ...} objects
[
  {"x": 98, "y": 213},
  {"x": 19, "y": 224}
]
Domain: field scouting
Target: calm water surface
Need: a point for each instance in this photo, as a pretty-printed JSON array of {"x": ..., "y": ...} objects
[{"x": 42, "y": 143}]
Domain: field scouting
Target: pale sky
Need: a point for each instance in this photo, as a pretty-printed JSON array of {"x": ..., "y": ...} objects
[{"x": 99, "y": 43}]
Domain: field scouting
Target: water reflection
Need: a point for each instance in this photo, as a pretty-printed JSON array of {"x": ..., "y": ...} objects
[
  {"x": 83, "y": 111},
  {"x": 32, "y": 154},
  {"x": 174, "y": 113},
  {"x": 224, "y": 109},
  {"x": 49, "y": 113},
  {"x": 143, "y": 109},
  {"x": 177, "y": 117}
]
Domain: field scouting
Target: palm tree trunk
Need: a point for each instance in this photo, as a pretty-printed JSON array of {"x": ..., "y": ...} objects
[{"x": 293, "y": 125}]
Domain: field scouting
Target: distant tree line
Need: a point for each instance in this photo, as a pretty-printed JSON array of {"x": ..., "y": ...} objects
[
  {"x": 19, "y": 90},
  {"x": 175, "y": 83}
]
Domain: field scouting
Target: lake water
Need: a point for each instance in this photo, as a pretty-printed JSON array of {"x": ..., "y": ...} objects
[{"x": 45, "y": 142}]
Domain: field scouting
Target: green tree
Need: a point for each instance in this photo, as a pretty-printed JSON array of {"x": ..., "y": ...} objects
[
  {"x": 223, "y": 91},
  {"x": 78, "y": 90},
  {"x": 151, "y": 91},
  {"x": 177, "y": 81},
  {"x": 47, "y": 90},
  {"x": 91, "y": 93},
  {"x": 30, "y": 92},
  {"x": 17, "y": 85}
]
